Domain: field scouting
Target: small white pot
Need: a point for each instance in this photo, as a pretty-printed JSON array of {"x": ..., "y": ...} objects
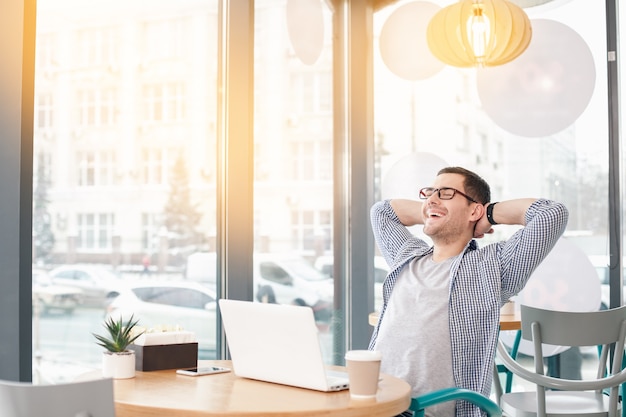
[{"x": 118, "y": 365}]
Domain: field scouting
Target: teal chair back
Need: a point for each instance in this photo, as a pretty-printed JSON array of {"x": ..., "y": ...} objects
[{"x": 420, "y": 403}]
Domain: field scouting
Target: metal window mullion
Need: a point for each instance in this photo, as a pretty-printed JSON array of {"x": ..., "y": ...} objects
[
  {"x": 235, "y": 154},
  {"x": 615, "y": 192},
  {"x": 353, "y": 174}
]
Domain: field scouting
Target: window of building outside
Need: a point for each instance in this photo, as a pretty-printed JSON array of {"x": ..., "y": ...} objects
[{"x": 534, "y": 127}]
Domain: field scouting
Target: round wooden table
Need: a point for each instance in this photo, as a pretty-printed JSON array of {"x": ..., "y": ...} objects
[{"x": 164, "y": 393}]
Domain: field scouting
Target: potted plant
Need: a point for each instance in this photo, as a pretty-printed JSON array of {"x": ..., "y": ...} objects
[{"x": 118, "y": 361}]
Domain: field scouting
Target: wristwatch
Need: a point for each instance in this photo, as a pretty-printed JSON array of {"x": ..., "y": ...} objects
[{"x": 490, "y": 213}]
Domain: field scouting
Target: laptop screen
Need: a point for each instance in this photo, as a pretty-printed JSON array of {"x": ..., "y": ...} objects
[{"x": 274, "y": 342}]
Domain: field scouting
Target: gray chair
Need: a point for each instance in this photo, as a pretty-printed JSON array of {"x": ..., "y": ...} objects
[
  {"x": 77, "y": 399},
  {"x": 565, "y": 397}
]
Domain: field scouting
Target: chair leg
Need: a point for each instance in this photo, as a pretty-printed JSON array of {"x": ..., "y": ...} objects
[
  {"x": 497, "y": 386},
  {"x": 621, "y": 398},
  {"x": 508, "y": 374},
  {"x": 514, "y": 349}
]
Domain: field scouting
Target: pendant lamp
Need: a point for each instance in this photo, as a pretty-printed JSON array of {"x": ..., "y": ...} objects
[{"x": 479, "y": 33}]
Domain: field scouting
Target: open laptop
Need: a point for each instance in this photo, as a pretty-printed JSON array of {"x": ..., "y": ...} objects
[{"x": 277, "y": 343}]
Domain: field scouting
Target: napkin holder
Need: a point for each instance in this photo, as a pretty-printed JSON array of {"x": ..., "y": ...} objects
[{"x": 168, "y": 350}]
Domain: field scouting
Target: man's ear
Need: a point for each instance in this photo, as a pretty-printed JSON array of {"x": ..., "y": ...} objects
[{"x": 478, "y": 212}]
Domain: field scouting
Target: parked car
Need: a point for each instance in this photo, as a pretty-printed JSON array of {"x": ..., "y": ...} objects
[
  {"x": 98, "y": 284},
  {"x": 190, "y": 305},
  {"x": 282, "y": 278},
  {"x": 49, "y": 297},
  {"x": 324, "y": 264}
]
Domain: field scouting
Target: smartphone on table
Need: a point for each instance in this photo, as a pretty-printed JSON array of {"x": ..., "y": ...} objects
[{"x": 203, "y": 370}]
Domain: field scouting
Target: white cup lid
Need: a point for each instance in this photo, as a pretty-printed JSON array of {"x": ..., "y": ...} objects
[{"x": 363, "y": 355}]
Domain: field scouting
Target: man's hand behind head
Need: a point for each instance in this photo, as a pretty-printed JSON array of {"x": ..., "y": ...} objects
[{"x": 483, "y": 227}]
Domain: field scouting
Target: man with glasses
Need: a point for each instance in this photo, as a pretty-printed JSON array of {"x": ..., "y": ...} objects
[{"x": 440, "y": 317}]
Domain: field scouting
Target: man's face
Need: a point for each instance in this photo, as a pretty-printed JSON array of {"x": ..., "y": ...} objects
[{"x": 448, "y": 220}]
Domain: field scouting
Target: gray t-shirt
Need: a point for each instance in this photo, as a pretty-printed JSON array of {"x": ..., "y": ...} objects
[{"x": 414, "y": 336}]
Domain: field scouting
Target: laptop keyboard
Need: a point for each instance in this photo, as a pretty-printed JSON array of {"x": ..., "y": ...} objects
[
  {"x": 336, "y": 375},
  {"x": 337, "y": 379}
]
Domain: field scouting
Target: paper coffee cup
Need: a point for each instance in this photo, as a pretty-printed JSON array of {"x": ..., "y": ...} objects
[{"x": 363, "y": 372}]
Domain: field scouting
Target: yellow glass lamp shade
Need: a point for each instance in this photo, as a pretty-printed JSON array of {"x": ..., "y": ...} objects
[{"x": 479, "y": 33}]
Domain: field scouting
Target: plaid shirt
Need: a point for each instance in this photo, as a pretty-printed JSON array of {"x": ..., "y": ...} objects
[{"x": 481, "y": 281}]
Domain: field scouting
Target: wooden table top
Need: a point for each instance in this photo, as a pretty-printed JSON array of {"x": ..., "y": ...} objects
[
  {"x": 164, "y": 393},
  {"x": 511, "y": 321}
]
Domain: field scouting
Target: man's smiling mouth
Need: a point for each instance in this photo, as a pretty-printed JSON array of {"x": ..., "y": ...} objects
[{"x": 433, "y": 214}]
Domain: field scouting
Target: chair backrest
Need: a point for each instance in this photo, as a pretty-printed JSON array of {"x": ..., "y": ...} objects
[
  {"x": 605, "y": 328},
  {"x": 421, "y": 402},
  {"x": 567, "y": 328},
  {"x": 77, "y": 399}
]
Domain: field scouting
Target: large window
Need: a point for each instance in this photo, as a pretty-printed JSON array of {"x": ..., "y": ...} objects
[
  {"x": 115, "y": 197},
  {"x": 133, "y": 138},
  {"x": 293, "y": 131},
  {"x": 132, "y": 118},
  {"x": 534, "y": 127}
]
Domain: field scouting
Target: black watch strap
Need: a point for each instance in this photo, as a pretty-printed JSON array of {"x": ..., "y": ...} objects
[{"x": 490, "y": 213}]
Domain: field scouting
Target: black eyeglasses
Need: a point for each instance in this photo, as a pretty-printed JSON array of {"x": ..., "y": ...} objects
[{"x": 445, "y": 193}]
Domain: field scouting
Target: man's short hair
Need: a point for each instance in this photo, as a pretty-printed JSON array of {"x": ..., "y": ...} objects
[{"x": 475, "y": 186}]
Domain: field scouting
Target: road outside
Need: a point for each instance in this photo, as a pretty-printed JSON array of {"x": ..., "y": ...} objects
[{"x": 63, "y": 344}]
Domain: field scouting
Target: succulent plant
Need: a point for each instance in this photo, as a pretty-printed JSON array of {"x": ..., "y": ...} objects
[{"x": 120, "y": 334}]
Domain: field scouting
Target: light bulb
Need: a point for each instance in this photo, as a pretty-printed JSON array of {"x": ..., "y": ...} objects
[{"x": 478, "y": 33}]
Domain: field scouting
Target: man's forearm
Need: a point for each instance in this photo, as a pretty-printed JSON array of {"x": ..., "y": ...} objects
[
  {"x": 512, "y": 211},
  {"x": 408, "y": 211}
]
